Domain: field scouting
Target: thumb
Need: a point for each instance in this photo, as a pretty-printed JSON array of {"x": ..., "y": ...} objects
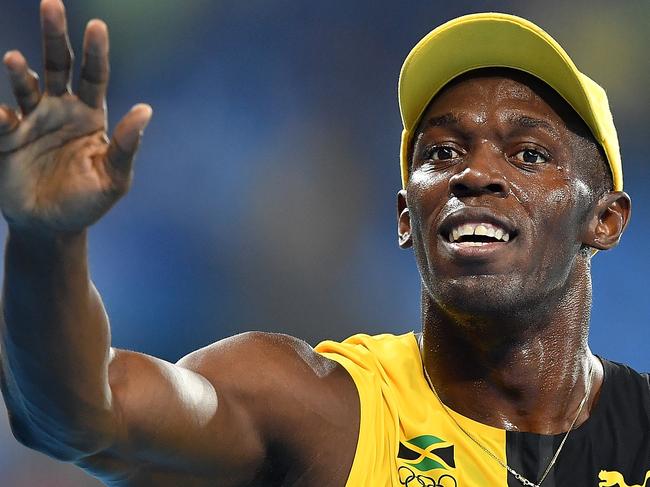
[{"x": 126, "y": 138}]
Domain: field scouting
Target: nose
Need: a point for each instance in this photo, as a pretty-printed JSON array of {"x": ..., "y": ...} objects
[{"x": 480, "y": 175}]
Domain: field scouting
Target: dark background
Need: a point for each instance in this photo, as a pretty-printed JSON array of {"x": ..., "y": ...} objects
[{"x": 264, "y": 195}]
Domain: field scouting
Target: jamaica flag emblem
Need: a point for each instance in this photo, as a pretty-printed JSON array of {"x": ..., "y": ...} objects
[{"x": 426, "y": 461}]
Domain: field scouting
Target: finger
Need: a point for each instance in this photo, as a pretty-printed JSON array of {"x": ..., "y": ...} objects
[
  {"x": 56, "y": 48},
  {"x": 24, "y": 82},
  {"x": 9, "y": 120},
  {"x": 94, "y": 67},
  {"x": 126, "y": 139}
]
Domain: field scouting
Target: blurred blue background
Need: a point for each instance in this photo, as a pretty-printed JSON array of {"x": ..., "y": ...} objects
[{"x": 264, "y": 195}]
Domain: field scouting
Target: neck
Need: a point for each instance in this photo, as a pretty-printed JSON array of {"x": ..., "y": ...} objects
[{"x": 522, "y": 370}]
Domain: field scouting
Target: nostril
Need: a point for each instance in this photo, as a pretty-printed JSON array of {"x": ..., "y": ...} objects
[
  {"x": 495, "y": 188},
  {"x": 460, "y": 188},
  {"x": 471, "y": 182}
]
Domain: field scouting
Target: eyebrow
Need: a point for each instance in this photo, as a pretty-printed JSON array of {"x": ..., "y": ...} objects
[
  {"x": 524, "y": 121},
  {"x": 443, "y": 120},
  {"x": 517, "y": 120}
]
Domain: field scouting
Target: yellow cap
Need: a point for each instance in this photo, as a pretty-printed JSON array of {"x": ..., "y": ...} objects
[{"x": 500, "y": 40}]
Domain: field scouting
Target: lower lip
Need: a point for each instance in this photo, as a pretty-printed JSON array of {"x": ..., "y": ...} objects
[{"x": 485, "y": 250}]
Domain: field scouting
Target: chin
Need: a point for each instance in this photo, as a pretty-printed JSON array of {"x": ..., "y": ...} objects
[{"x": 484, "y": 296}]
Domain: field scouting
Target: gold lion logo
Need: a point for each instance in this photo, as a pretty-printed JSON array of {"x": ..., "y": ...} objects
[{"x": 615, "y": 479}]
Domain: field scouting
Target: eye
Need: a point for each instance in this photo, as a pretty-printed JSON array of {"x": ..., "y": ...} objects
[
  {"x": 531, "y": 156},
  {"x": 440, "y": 153}
]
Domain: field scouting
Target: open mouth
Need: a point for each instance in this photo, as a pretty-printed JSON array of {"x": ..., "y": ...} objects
[{"x": 479, "y": 234}]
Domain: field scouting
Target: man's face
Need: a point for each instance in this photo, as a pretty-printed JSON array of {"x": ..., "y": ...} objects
[{"x": 496, "y": 198}]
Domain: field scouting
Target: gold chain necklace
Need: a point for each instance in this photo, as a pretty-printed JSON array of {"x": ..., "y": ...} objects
[{"x": 517, "y": 475}]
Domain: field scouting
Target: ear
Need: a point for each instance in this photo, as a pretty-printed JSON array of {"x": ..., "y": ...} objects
[
  {"x": 608, "y": 221},
  {"x": 403, "y": 221}
]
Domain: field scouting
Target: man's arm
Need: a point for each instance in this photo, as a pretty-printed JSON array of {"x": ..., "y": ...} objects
[
  {"x": 282, "y": 412},
  {"x": 55, "y": 347},
  {"x": 132, "y": 419},
  {"x": 218, "y": 416}
]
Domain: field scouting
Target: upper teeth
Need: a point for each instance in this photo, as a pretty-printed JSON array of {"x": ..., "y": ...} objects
[{"x": 478, "y": 229}]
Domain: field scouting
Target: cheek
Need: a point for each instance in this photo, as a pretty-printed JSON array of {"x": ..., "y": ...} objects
[
  {"x": 425, "y": 178},
  {"x": 565, "y": 207},
  {"x": 557, "y": 213},
  {"x": 426, "y": 193},
  {"x": 557, "y": 199},
  {"x": 428, "y": 188}
]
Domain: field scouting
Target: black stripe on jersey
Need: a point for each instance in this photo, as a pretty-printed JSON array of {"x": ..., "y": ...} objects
[
  {"x": 613, "y": 443},
  {"x": 529, "y": 455}
]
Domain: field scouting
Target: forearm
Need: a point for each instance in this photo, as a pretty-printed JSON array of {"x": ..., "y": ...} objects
[{"x": 55, "y": 342}]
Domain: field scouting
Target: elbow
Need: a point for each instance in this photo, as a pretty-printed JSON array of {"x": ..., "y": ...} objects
[{"x": 61, "y": 443}]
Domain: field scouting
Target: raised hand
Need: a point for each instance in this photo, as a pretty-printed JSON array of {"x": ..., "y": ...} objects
[{"x": 58, "y": 170}]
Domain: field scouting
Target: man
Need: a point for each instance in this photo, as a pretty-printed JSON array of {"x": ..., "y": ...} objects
[{"x": 507, "y": 193}]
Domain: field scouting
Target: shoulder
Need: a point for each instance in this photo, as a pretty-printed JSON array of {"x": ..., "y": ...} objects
[
  {"x": 253, "y": 346},
  {"x": 363, "y": 355},
  {"x": 280, "y": 378},
  {"x": 384, "y": 347},
  {"x": 258, "y": 362},
  {"x": 625, "y": 386},
  {"x": 625, "y": 375},
  {"x": 301, "y": 401}
]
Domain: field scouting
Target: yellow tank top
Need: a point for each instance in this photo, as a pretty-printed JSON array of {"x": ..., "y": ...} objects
[{"x": 405, "y": 437}]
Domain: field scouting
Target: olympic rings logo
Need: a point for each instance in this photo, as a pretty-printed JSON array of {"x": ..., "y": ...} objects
[{"x": 409, "y": 478}]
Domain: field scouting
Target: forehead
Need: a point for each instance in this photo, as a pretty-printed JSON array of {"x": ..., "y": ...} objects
[{"x": 484, "y": 90}]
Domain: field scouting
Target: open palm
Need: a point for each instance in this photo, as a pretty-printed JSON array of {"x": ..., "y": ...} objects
[{"x": 58, "y": 169}]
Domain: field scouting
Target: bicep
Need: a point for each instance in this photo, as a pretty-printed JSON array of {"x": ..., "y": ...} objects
[{"x": 171, "y": 420}]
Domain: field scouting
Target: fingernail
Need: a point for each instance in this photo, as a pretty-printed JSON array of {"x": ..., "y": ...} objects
[
  {"x": 97, "y": 36},
  {"x": 11, "y": 61},
  {"x": 147, "y": 113}
]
